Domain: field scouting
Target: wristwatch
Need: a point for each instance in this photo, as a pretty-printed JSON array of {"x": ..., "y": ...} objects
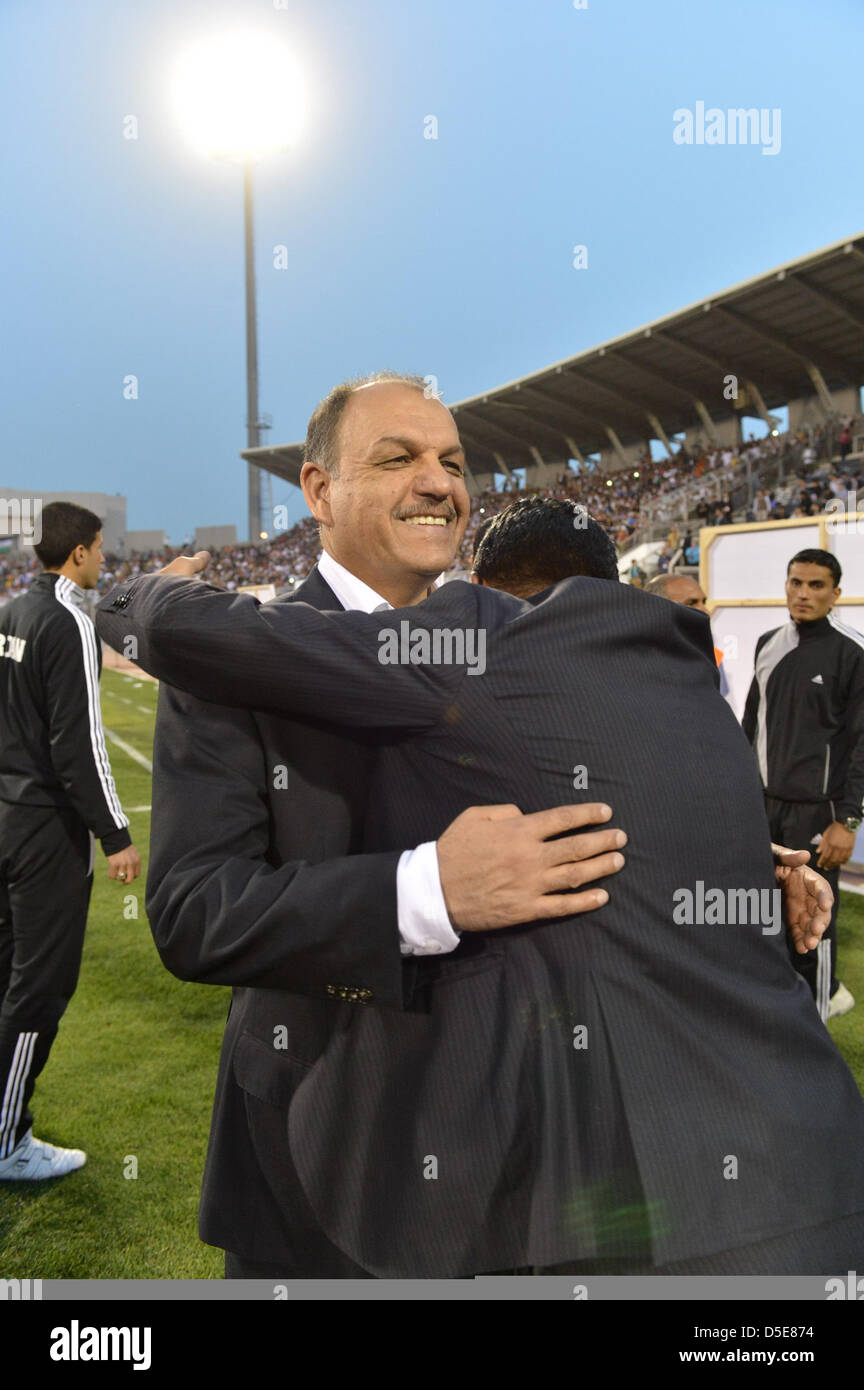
[{"x": 852, "y": 823}]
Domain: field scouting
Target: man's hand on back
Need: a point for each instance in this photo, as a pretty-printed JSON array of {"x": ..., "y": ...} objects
[
  {"x": 499, "y": 868},
  {"x": 807, "y": 898}
]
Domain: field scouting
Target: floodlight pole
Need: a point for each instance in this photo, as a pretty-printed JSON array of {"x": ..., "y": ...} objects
[{"x": 252, "y": 433}]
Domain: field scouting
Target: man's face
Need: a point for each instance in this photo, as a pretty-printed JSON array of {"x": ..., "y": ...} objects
[
  {"x": 397, "y": 511},
  {"x": 90, "y": 563},
  {"x": 682, "y": 589},
  {"x": 810, "y": 592}
]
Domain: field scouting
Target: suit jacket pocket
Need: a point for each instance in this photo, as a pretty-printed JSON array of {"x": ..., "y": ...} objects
[{"x": 265, "y": 1072}]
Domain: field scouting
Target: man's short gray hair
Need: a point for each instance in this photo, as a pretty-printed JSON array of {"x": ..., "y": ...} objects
[
  {"x": 322, "y": 433},
  {"x": 659, "y": 584}
]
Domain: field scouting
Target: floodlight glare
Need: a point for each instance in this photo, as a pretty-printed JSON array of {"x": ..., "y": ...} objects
[{"x": 239, "y": 96}]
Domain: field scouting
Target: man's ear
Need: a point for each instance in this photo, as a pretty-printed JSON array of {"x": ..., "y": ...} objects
[
  {"x": 315, "y": 482},
  {"x": 475, "y": 578}
]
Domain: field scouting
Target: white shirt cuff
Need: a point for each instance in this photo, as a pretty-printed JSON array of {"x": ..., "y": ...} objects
[{"x": 424, "y": 924}]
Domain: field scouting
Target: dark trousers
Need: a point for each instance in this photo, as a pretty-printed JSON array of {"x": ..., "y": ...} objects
[
  {"x": 793, "y": 824},
  {"x": 45, "y": 881},
  {"x": 313, "y": 1258},
  {"x": 831, "y": 1248}
]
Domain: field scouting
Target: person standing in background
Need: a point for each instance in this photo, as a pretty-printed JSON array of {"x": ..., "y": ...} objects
[
  {"x": 57, "y": 796},
  {"x": 805, "y": 718}
]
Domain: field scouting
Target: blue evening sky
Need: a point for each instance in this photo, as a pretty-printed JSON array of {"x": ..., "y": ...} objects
[{"x": 450, "y": 256}]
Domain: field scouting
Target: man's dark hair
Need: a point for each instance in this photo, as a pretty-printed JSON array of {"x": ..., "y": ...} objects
[
  {"x": 480, "y": 533},
  {"x": 818, "y": 557},
  {"x": 65, "y": 525},
  {"x": 537, "y": 541},
  {"x": 322, "y": 432}
]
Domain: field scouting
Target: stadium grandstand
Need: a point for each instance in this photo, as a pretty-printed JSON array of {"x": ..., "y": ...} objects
[
  {"x": 789, "y": 339},
  {"x": 647, "y": 430}
]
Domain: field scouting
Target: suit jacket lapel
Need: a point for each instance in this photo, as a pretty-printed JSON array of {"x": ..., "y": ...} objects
[{"x": 313, "y": 590}]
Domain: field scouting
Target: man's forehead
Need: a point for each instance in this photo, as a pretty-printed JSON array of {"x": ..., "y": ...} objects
[
  {"x": 684, "y": 581},
  {"x": 389, "y": 410},
  {"x": 811, "y": 572}
]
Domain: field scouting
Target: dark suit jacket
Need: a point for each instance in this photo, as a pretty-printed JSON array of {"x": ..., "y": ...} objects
[
  {"x": 620, "y": 1083},
  {"x": 253, "y": 878}
]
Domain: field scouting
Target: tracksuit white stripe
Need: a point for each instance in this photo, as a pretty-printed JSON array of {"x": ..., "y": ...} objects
[
  {"x": 10, "y": 1115},
  {"x": 784, "y": 641},
  {"x": 851, "y": 632},
  {"x": 91, "y": 672},
  {"x": 823, "y": 978}
]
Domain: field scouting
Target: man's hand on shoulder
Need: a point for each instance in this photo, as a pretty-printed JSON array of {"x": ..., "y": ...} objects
[
  {"x": 499, "y": 867},
  {"x": 187, "y": 566}
]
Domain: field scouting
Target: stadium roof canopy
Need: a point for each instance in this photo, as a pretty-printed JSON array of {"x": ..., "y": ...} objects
[{"x": 795, "y": 331}]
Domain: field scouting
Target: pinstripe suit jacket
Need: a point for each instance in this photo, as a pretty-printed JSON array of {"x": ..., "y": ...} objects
[
  {"x": 620, "y": 1083},
  {"x": 254, "y": 872}
]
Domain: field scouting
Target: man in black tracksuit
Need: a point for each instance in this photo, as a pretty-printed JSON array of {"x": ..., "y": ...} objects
[
  {"x": 56, "y": 796},
  {"x": 805, "y": 719}
]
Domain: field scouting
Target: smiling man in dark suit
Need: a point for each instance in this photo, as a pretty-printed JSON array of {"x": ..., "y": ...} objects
[
  {"x": 653, "y": 1093},
  {"x": 256, "y": 879}
]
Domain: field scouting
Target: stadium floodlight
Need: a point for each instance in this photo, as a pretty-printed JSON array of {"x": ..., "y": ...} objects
[{"x": 240, "y": 96}]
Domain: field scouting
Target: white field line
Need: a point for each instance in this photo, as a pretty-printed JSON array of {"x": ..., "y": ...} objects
[{"x": 129, "y": 750}]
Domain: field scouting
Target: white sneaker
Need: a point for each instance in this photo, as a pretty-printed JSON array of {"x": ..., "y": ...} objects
[
  {"x": 841, "y": 1002},
  {"x": 34, "y": 1160}
]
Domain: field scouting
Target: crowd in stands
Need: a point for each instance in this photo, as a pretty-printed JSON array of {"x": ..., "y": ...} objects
[
  {"x": 649, "y": 489},
  {"x": 622, "y": 500}
]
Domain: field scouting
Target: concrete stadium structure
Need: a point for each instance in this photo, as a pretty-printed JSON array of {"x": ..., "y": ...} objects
[
  {"x": 110, "y": 506},
  {"x": 792, "y": 337}
]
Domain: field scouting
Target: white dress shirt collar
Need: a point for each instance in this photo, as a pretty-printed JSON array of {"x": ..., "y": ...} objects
[
  {"x": 424, "y": 924},
  {"x": 351, "y": 592}
]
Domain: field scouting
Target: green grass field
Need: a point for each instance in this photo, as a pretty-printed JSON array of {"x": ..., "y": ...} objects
[{"x": 132, "y": 1073}]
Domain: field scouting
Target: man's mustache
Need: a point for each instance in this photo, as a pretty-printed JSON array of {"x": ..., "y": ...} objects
[{"x": 427, "y": 511}]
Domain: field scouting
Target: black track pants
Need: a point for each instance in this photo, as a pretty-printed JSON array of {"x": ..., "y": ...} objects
[{"x": 46, "y": 874}]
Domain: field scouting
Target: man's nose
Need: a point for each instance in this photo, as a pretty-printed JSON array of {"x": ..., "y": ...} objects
[{"x": 432, "y": 479}]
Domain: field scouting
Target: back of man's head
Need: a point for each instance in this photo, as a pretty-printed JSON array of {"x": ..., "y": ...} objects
[
  {"x": 64, "y": 526},
  {"x": 537, "y": 541}
]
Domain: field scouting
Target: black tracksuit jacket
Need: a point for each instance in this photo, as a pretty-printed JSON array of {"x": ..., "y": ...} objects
[
  {"x": 52, "y": 748},
  {"x": 805, "y": 714}
]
